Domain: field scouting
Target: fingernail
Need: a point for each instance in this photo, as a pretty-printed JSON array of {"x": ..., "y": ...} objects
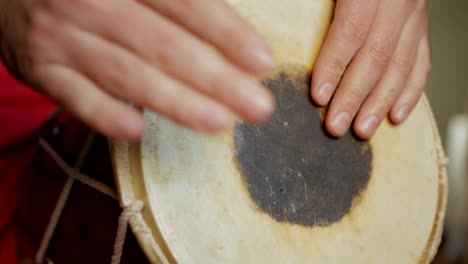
[
  {"x": 369, "y": 125},
  {"x": 402, "y": 113},
  {"x": 341, "y": 123},
  {"x": 325, "y": 93}
]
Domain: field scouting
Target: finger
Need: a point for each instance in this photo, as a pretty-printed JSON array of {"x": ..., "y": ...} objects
[
  {"x": 377, "y": 105},
  {"x": 125, "y": 76},
  {"x": 347, "y": 33},
  {"x": 83, "y": 98},
  {"x": 368, "y": 65},
  {"x": 416, "y": 84},
  {"x": 169, "y": 48},
  {"x": 217, "y": 23}
]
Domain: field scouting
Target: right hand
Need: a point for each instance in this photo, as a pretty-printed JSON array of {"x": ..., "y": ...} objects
[{"x": 191, "y": 61}]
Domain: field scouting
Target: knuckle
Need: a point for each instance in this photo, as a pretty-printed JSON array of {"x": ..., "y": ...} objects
[
  {"x": 214, "y": 82},
  {"x": 165, "y": 53},
  {"x": 356, "y": 96},
  {"x": 164, "y": 56},
  {"x": 43, "y": 37},
  {"x": 391, "y": 93},
  {"x": 122, "y": 77},
  {"x": 336, "y": 65},
  {"x": 41, "y": 29},
  {"x": 380, "y": 54},
  {"x": 354, "y": 29},
  {"x": 40, "y": 25},
  {"x": 214, "y": 77},
  {"x": 403, "y": 64}
]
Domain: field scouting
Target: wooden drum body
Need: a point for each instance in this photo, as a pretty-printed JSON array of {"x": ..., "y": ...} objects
[{"x": 284, "y": 191}]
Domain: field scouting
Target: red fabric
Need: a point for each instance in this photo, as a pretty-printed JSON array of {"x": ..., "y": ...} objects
[
  {"x": 22, "y": 111},
  {"x": 12, "y": 166}
]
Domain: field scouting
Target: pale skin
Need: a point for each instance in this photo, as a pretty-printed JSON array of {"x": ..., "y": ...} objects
[
  {"x": 195, "y": 62},
  {"x": 375, "y": 63}
]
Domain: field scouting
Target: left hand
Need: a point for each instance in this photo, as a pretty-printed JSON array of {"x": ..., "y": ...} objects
[{"x": 375, "y": 62}]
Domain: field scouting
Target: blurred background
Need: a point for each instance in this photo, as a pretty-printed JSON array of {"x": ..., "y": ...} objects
[{"x": 447, "y": 91}]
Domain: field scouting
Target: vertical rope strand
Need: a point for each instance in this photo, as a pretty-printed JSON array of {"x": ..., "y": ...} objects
[{"x": 49, "y": 232}]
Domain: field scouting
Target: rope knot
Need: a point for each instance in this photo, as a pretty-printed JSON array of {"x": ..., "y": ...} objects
[{"x": 134, "y": 209}]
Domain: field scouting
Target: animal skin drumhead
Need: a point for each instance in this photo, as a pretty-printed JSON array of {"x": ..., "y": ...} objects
[{"x": 284, "y": 191}]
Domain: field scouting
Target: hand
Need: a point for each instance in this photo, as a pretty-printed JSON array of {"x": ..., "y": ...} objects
[
  {"x": 192, "y": 61},
  {"x": 375, "y": 62}
]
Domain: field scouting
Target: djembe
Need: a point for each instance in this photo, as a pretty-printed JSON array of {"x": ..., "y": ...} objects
[{"x": 279, "y": 192}]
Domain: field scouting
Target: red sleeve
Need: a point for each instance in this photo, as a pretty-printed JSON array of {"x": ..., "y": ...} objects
[{"x": 22, "y": 111}]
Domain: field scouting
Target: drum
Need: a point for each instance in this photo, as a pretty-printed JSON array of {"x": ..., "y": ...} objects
[
  {"x": 285, "y": 191},
  {"x": 279, "y": 192}
]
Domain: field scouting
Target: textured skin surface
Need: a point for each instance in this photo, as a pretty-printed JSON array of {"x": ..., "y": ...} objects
[{"x": 294, "y": 171}]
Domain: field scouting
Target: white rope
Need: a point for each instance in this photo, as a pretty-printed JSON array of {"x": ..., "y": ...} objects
[
  {"x": 128, "y": 212},
  {"x": 76, "y": 175},
  {"x": 39, "y": 258},
  {"x": 49, "y": 232}
]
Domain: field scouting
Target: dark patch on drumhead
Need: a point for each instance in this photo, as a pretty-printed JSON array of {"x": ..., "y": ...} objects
[{"x": 293, "y": 170}]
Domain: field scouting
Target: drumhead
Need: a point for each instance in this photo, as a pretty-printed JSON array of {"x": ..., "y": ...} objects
[{"x": 286, "y": 192}]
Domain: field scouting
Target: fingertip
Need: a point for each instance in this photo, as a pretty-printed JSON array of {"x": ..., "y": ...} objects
[
  {"x": 268, "y": 107},
  {"x": 399, "y": 114},
  {"x": 323, "y": 94},
  {"x": 332, "y": 131},
  {"x": 215, "y": 119},
  {"x": 127, "y": 124},
  {"x": 361, "y": 133},
  {"x": 263, "y": 108},
  {"x": 366, "y": 127},
  {"x": 338, "y": 124}
]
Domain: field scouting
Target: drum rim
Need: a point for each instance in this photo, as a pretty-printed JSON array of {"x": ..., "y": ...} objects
[{"x": 435, "y": 236}]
